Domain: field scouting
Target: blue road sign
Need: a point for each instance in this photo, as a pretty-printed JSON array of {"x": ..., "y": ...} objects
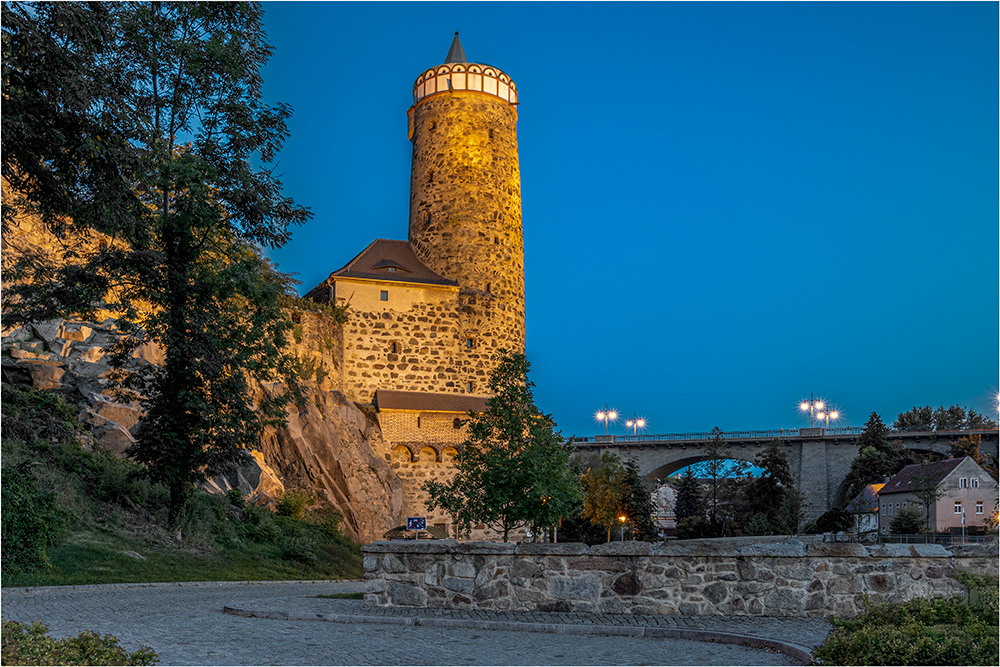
[{"x": 416, "y": 523}]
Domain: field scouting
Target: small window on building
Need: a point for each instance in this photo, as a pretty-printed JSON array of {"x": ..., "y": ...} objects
[
  {"x": 883, "y": 509},
  {"x": 383, "y": 295},
  {"x": 979, "y": 507},
  {"x": 963, "y": 483},
  {"x": 468, "y": 387},
  {"x": 890, "y": 509},
  {"x": 958, "y": 507},
  {"x": 457, "y": 423},
  {"x": 489, "y": 287},
  {"x": 418, "y": 421},
  {"x": 391, "y": 269},
  {"x": 974, "y": 482},
  {"x": 394, "y": 348},
  {"x": 469, "y": 342}
]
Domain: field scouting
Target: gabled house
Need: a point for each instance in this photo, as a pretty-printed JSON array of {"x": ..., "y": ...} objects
[
  {"x": 967, "y": 494},
  {"x": 864, "y": 509}
]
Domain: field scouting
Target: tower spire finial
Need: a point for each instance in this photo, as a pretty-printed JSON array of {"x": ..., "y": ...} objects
[{"x": 456, "y": 54}]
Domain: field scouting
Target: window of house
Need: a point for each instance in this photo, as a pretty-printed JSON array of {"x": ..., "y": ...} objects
[
  {"x": 468, "y": 387},
  {"x": 963, "y": 483},
  {"x": 383, "y": 295},
  {"x": 883, "y": 509},
  {"x": 469, "y": 342},
  {"x": 897, "y": 508},
  {"x": 974, "y": 482},
  {"x": 958, "y": 507},
  {"x": 890, "y": 509},
  {"x": 979, "y": 507}
]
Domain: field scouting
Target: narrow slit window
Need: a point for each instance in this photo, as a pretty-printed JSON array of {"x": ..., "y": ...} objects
[{"x": 468, "y": 387}]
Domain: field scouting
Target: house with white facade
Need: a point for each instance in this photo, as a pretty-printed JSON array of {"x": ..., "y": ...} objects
[{"x": 664, "y": 498}]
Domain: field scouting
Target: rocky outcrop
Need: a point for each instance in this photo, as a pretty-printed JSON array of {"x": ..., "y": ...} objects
[{"x": 329, "y": 446}]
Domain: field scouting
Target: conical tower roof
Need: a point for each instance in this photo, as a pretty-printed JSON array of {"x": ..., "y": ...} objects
[{"x": 456, "y": 54}]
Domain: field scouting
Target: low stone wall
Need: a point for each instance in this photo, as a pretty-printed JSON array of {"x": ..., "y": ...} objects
[{"x": 743, "y": 577}]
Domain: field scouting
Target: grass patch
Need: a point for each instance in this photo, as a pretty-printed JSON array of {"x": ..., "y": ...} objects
[
  {"x": 74, "y": 513},
  {"x": 342, "y": 596}
]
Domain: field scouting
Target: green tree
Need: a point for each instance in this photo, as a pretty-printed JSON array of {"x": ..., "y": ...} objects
[
  {"x": 142, "y": 122},
  {"x": 603, "y": 482},
  {"x": 513, "y": 470},
  {"x": 771, "y": 499},
  {"x": 915, "y": 419},
  {"x": 724, "y": 480},
  {"x": 637, "y": 504},
  {"x": 927, "y": 488},
  {"x": 877, "y": 457},
  {"x": 908, "y": 521},
  {"x": 689, "y": 501}
]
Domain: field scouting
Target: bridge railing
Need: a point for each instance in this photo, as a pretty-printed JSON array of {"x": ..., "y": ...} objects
[
  {"x": 762, "y": 435},
  {"x": 726, "y": 435}
]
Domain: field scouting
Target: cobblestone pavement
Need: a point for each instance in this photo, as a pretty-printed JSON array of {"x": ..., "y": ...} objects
[{"x": 184, "y": 623}]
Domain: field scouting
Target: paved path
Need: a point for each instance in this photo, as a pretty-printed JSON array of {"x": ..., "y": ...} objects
[{"x": 184, "y": 623}]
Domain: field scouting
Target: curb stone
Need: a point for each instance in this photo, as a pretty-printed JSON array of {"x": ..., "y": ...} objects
[{"x": 794, "y": 651}]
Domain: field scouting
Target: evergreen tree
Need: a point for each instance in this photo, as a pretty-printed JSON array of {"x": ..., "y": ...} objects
[
  {"x": 689, "y": 501},
  {"x": 771, "y": 499},
  {"x": 513, "y": 470},
  {"x": 637, "y": 504},
  {"x": 142, "y": 122},
  {"x": 877, "y": 457}
]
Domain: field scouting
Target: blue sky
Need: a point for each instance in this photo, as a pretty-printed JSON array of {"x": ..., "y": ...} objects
[{"x": 727, "y": 206}]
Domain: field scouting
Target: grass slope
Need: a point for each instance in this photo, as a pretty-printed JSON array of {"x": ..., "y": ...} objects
[{"x": 74, "y": 513}]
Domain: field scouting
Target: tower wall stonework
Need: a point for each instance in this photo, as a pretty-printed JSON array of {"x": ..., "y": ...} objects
[
  {"x": 465, "y": 208},
  {"x": 415, "y": 340}
]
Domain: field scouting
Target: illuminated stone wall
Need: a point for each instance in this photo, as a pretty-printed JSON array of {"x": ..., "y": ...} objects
[{"x": 736, "y": 577}]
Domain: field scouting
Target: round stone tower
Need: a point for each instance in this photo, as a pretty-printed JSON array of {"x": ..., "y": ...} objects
[{"x": 465, "y": 197}]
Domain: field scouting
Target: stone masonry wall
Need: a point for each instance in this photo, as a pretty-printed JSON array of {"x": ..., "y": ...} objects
[
  {"x": 414, "y": 341},
  {"x": 758, "y": 577}
]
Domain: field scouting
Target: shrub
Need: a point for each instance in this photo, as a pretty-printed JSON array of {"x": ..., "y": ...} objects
[
  {"x": 831, "y": 521},
  {"x": 29, "y": 645},
  {"x": 908, "y": 521},
  {"x": 293, "y": 504},
  {"x": 693, "y": 527},
  {"x": 29, "y": 521},
  {"x": 939, "y": 631}
]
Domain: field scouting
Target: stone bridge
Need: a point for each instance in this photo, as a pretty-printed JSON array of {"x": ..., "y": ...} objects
[{"x": 818, "y": 458}]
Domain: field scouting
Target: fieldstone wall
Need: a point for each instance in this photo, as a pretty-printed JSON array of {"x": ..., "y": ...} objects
[{"x": 741, "y": 577}]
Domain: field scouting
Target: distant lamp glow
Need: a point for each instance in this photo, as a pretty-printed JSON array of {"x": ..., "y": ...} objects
[
  {"x": 606, "y": 416},
  {"x": 623, "y": 519},
  {"x": 828, "y": 415},
  {"x": 804, "y": 406}
]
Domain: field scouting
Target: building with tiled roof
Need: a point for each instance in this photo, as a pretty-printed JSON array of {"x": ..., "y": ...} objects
[
  {"x": 967, "y": 497},
  {"x": 426, "y": 316}
]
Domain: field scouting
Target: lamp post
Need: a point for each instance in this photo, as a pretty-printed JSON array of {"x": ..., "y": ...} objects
[
  {"x": 635, "y": 424},
  {"x": 623, "y": 519},
  {"x": 606, "y": 416},
  {"x": 828, "y": 415},
  {"x": 811, "y": 406}
]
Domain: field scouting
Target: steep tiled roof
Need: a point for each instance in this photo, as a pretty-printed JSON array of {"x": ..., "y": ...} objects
[
  {"x": 386, "y": 399},
  {"x": 912, "y": 477},
  {"x": 383, "y": 259}
]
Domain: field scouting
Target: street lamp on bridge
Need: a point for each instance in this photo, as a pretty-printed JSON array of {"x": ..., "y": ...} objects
[
  {"x": 635, "y": 424},
  {"x": 606, "y": 416},
  {"x": 812, "y": 407},
  {"x": 828, "y": 415}
]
